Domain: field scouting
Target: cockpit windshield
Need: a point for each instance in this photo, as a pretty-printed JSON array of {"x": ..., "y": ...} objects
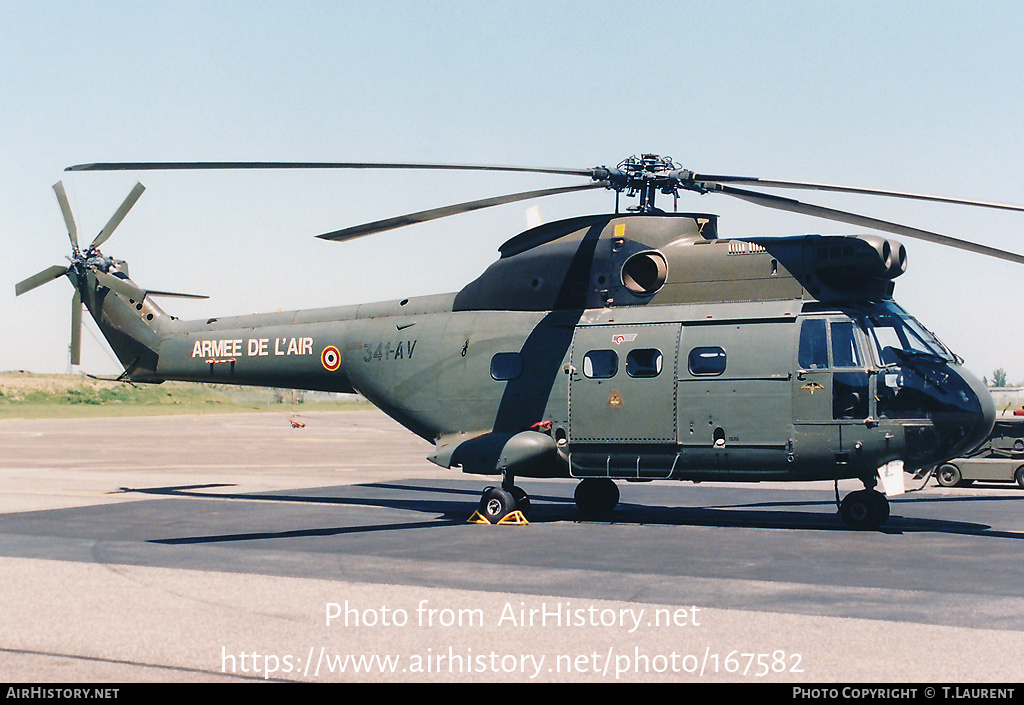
[{"x": 896, "y": 336}]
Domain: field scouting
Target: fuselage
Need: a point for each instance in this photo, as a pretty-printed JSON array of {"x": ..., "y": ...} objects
[
  {"x": 739, "y": 391},
  {"x": 635, "y": 347}
]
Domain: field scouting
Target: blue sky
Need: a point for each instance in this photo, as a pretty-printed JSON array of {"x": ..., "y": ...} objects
[{"x": 915, "y": 96}]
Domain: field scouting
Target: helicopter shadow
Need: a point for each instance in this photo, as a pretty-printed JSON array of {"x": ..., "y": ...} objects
[
  {"x": 452, "y": 513},
  {"x": 449, "y": 509},
  {"x": 781, "y": 516}
]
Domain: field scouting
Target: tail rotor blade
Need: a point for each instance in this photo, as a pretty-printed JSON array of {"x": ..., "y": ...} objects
[
  {"x": 65, "y": 208},
  {"x": 76, "y": 328},
  {"x": 118, "y": 216},
  {"x": 120, "y": 286},
  {"x": 47, "y": 275},
  {"x": 175, "y": 294}
]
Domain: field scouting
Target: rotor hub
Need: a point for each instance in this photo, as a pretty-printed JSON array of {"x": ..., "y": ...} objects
[{"x": 644, "y": 176}]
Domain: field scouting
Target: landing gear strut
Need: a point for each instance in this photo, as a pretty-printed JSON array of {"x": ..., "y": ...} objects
[{"x": 865, "y": 509}]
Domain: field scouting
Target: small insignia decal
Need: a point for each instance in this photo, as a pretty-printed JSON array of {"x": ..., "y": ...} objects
[
  {"x": 812, "y": 387},
  {"x": 615, "y": 399},
  {"x": 620, "y": 338},
  {"x": 330, "y": 358}
]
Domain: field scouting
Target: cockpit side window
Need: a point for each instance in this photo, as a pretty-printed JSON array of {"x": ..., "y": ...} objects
[
  {"x": 813, "y": 353},
  {"x": 895, "y": 336},
  {"x": 887, "y": 342},
  {"x": 844, "y": 345}
]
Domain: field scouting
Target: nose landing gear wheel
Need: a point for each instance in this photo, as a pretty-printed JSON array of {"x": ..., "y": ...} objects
[
  {"x": 497, "y": 503},
  {"x": 864, "y": 510}
]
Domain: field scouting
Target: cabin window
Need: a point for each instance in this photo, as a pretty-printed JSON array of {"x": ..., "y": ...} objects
[
  {"x": 813, "y": 353},
  {"x": 600, "y": 364},
  {"x": 706, "y": 361},
  {"x": 644, "y": 362},
  {"x": 506, "y": 366}
]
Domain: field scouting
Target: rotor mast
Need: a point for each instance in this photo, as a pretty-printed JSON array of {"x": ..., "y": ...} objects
[{"x": 643, "y": 176}]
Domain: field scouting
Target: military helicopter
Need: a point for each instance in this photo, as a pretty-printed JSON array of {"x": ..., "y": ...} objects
[{"x": 635, "y": 345}]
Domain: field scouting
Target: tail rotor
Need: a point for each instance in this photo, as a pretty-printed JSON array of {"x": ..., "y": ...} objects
[{"x": 82, "y": 263}]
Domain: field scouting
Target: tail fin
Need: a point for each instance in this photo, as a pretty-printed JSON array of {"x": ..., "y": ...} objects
[{"x": 129, "y": 320}]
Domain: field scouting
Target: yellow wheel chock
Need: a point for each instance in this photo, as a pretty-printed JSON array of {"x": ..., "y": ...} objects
[{"x": 515, "y": 518}]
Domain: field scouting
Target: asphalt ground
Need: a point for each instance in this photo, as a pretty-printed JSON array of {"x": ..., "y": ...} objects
[{"x": 237, "y": 547}]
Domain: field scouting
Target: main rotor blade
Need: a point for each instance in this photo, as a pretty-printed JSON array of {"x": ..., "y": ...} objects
[
  {"x": 76, "y": 328},
  {"x": 434, "y": 213},
  {"x": 771, "y": 183},
  {"x": 47, "y": 275},
  {"x": 794, "y": 206},
  {"x": 65, "y": 208},
  {"x": 162, "y": 166},
  {"x": 682, "y": 177},
  {"x": 118, "y": 216},
  {"x": 120, "y": 286}
]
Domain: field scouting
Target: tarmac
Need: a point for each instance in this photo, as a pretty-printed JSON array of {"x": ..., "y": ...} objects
[{"x": 236, "y": 547}]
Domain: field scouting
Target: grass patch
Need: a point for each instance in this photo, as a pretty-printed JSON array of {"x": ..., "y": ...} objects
[{"x": 27, "y": 395}]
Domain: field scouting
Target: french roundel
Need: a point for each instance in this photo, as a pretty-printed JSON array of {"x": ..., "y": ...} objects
[{"x": 330, "y": 358}]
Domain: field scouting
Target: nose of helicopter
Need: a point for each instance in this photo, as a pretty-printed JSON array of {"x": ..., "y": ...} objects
[
  {"x": 960, "y": 413},
  {"x": 985, "y": 417},
  {"x": 971, "y": 422}
]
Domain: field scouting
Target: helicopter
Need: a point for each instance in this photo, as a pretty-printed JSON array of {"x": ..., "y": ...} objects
[{"x": 629, "y": 346}]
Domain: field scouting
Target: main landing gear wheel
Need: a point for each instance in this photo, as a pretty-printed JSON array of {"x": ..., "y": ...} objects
[
  {"x": 596, "y": 496},
  {"x": 497, "y": 503},
  {"x": 864, "y": 510}
]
